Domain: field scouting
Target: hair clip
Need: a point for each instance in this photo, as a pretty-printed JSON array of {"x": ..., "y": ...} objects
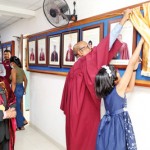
[{"x": 107, "y": 70}]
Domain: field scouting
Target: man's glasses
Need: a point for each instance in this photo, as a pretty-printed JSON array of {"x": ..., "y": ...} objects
[
  {"x": 82, "y": 48},
  {"x": 87, "y": 46}
]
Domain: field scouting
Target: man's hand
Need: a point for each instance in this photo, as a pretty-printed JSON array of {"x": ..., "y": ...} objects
[
  {"x": 10, "y": 113},
  {"x": 126, "y": 16}
]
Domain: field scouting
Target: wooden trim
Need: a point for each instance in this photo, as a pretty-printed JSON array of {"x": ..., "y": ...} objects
[
  {"x": 12, "y": 47},
  {"x": 142, "y": 83},
  {"x": 21, "y": 48},
  {"x": 48, "y": 72}
]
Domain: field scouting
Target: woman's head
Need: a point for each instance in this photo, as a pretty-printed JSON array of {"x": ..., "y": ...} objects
[
  {"x": 105, "y": 80},
  {"x": 15, "y": 61}
]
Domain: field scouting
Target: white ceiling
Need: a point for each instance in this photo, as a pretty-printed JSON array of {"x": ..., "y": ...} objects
[{"x": 12, "y": 11}]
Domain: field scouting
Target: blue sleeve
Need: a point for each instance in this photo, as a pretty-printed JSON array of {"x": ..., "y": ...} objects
[{"x": 114, "y": 34}]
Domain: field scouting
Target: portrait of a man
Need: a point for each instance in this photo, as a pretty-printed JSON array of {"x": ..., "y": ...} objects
[
  {"x": 42, "y": 55},
  {"x": 69, "y": 54},
  {"x": 128, "y": 43},
  {"x": 123, "y": 52},
  {"x": 32, "y": 52},
  {"x": 90, "y": 44},
  {"x": 32, "y": 55},
  {"x": 54, "y": 55}
]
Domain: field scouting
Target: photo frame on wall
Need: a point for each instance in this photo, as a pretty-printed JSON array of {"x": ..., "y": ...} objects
[
  {"x": 92, "y": 34},
  {"x": 9, "y": 47},
  {"x": 68, "y": 40},
  {"x": 54, "y": 50},
  {"x": 4, "y": 48},
  {"x": 41, "y": 51},
  {"x": 32, "y": 52},
  {"x": 1, "y": 55},
  {"x": 128, "y": 38}
]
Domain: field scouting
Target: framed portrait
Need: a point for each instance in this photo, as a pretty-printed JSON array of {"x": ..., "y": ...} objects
[
  {"x": 92, "y": 34},
  {"x": 4, "y": 48},
  {"x": 41, "y": 51},
  {"x": 54, "y": 50},
  {"x": 9, "y": 47},
  {"x": 1, "y": 55},
  {"x": 127, "y": 37},
  {"x": 68, "y": 40},
  {"x": 32, "y": 52}
]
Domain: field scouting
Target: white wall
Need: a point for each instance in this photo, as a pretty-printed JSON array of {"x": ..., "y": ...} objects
[
  {"x": 46, "y": 89},
  {"x": 45, "y": 105}
]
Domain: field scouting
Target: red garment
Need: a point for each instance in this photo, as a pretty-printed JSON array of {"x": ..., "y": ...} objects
[
  {"x": 32, "y": 56},
  {"x": 79, "y": 101},
  {"x": 11, "y": 99},
  {"x": 70, "y": 55},
  {"x": 6, "y": 64},
  {"x": 42, "y": 56},
  {"x": 124, "y": 52}
]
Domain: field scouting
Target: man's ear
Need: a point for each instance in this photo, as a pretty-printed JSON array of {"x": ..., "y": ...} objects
[{"x": 80, "y": 52}]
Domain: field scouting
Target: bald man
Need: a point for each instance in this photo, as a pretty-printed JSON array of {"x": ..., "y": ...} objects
[{"x": 79, "y": 101}]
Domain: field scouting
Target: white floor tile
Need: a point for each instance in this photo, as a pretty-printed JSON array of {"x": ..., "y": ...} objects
[{"x": 30, "y": 139}]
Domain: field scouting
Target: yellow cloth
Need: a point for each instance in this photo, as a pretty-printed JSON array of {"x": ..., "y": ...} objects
[{"x": 142, "y": 24}]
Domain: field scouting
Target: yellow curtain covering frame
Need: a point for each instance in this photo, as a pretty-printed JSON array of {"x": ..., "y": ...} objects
[{"x": 142, "y": 24}]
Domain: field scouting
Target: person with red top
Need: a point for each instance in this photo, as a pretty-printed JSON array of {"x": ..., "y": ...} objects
[
  {"x": 79, "y": 101},
  {"x": 7, "y": 113},
  {"x": 90, "y": 44},
  {"x": 42, "y": 55},
  {"x": 123, "y": 53},
  {"x": 54, "y": 55},
  {"x": 70, "y": 55},
  {"x": 32, "y": 57},
  {"x": 6, "y": 63}
]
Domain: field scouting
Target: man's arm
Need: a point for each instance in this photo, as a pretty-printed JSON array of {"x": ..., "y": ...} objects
[
  {"x": 10, "y": 113},
  {"x": 114, "y": 34}
]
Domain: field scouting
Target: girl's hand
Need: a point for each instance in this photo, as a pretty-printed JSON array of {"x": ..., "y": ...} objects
[
  {"x": 139, "y": 60},
  {"x": 142, "y": 39}
]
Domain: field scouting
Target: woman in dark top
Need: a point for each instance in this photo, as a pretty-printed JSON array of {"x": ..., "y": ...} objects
[{"x": 18, "y": 85}]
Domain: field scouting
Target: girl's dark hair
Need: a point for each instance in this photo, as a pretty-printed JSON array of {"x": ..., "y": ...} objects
[
  {"x": 105, "y": 83},
  {"x": 16, "y": 60}
]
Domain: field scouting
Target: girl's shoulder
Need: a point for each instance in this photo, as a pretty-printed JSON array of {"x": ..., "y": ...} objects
[
  {"x": 13, "y": 69},
  {"x": 119, "y": 92}
]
